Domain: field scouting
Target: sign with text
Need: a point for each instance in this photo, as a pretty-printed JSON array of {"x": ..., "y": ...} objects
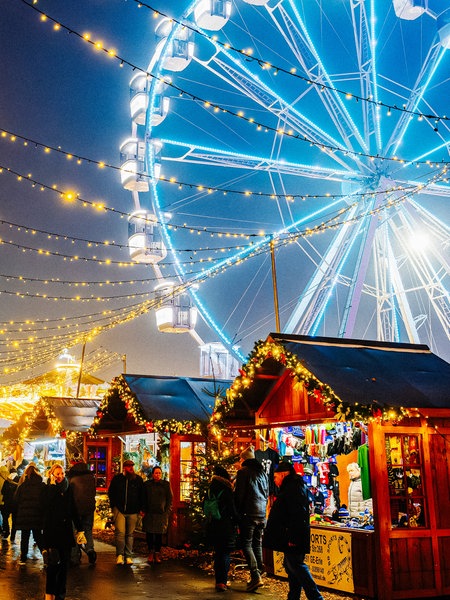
[{"x": 330, "y": 560}]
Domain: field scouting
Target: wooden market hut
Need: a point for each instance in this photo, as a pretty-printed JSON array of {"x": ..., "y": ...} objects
[
  {"x": 401, "y": 392},
  {"x": 178, "y": 409}
]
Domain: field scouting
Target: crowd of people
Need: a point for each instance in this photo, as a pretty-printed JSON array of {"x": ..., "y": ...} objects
[
  {"x": 241, "y": 522},
  {"x": 56, "y": 510},
  {"x": 58, "y": 513}
]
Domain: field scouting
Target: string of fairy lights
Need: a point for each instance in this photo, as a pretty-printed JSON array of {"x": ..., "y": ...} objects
[
  {"x": 7, "y": 135},
  {"x": 33, "y": 231},
  {"x": 98, "y": 45},
  {"x": 224, "y": 263},
  {"x": 123, "y": 318},
  {"x": 332, "y": 222},
  {"x": 292, "y": 71},
  {"x": 247, "y": 54}
]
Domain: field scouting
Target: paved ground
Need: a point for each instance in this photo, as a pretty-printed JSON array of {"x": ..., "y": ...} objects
[{"x": 170, "y": 580}]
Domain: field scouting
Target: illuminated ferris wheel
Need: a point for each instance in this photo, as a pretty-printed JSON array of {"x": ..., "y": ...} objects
[{"x": 304, "y": 134}]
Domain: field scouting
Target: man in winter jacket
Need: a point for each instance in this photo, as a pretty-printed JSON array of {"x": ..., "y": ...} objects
[
  {"x": 127, "y": 499},
  {"x": 251, "y": 493},
  {"x": 82, "y": 486},
  {"x": 288, "y": 531}
]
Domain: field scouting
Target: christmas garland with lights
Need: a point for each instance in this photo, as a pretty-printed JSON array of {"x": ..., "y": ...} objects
[
  {"x": 340, "y": 410},
  {"x": 119, "y": 390}
]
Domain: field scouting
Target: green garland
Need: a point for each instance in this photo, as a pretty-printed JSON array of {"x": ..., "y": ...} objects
[
  {"x": 340, "y": 410},
  {"x": 119, "y": 391}
]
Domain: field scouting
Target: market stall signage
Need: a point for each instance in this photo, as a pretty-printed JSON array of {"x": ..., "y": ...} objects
[{"x": 330, "y": 560}]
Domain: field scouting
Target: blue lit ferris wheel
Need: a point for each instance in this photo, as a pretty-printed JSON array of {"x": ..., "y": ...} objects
[{"x": 317, "y": 130}]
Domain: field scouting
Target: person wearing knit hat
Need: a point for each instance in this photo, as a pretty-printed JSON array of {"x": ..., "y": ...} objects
[
  {"x": 251, "y": 493},
  {"x": 288, "y": 531}
]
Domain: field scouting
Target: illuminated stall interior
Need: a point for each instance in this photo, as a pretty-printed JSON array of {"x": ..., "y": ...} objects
[{"x": 52, "y": 431}]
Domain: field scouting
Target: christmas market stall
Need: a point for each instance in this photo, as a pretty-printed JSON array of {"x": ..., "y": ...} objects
[
  {"x": 156, "y": 420},
  {"x": 367, "y": 425},
  {"x": 53, "y": 431}
]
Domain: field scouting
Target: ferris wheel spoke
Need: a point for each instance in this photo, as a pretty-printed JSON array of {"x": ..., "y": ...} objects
[
  {"x": 297, "y": 37},
  {"x": 310, "y": 306},
  {"x": 428, "y": 278},
  {"x": 366, "y": 240},
  {"x": 289, "y": 118},
  {"x": 193, "y": 153},
  {"x": 365, "y": 43},
  {"x": 429, "y": 153},
  {"x": 429, "y": 67},
  {"x": 391, "y": 294}
]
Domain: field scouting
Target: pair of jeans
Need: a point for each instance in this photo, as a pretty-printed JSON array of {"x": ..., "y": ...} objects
[
  {"x": 124, "y": 526},
  {"x": 154, "y": 541},
  {"x": 221, "y": 565},
  {"x": 299, "y": 577},
  {"x": 251, "y": 532}
]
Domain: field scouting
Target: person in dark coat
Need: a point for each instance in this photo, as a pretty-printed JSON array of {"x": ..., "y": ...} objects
[
  {"x": 27, "y": 499},
  {"x": 222, "y": 533},
  {"x": 83, "y": 489},
  {"x": 8, "y": 508},
  {"x": 127, "y": 500},
  {"x": 288, "y": 531},
  {"x": 251, "y": 493},
  {"x": 58, "y": 539},
  {"x": 158, "y": 504}
]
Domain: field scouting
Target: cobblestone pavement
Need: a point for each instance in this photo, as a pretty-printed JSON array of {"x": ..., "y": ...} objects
[{"x": 173, "y": 579}]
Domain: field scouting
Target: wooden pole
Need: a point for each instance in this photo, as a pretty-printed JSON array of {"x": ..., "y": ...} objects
[
  {"x": 81, "y": 369},
  {"x": 274, "y": 285}
]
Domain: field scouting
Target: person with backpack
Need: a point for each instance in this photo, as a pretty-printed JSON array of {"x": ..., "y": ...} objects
[{"x": 221, "y": 527}]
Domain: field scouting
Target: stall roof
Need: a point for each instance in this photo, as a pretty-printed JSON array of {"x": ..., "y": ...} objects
[
  {"x": 75, "y": 414},
  {"x": 55, "y": 376},
  {"x": 181, "y": 398},
  {"x": 359, "y": 372},
  {"x": 408, "y": 375}
]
